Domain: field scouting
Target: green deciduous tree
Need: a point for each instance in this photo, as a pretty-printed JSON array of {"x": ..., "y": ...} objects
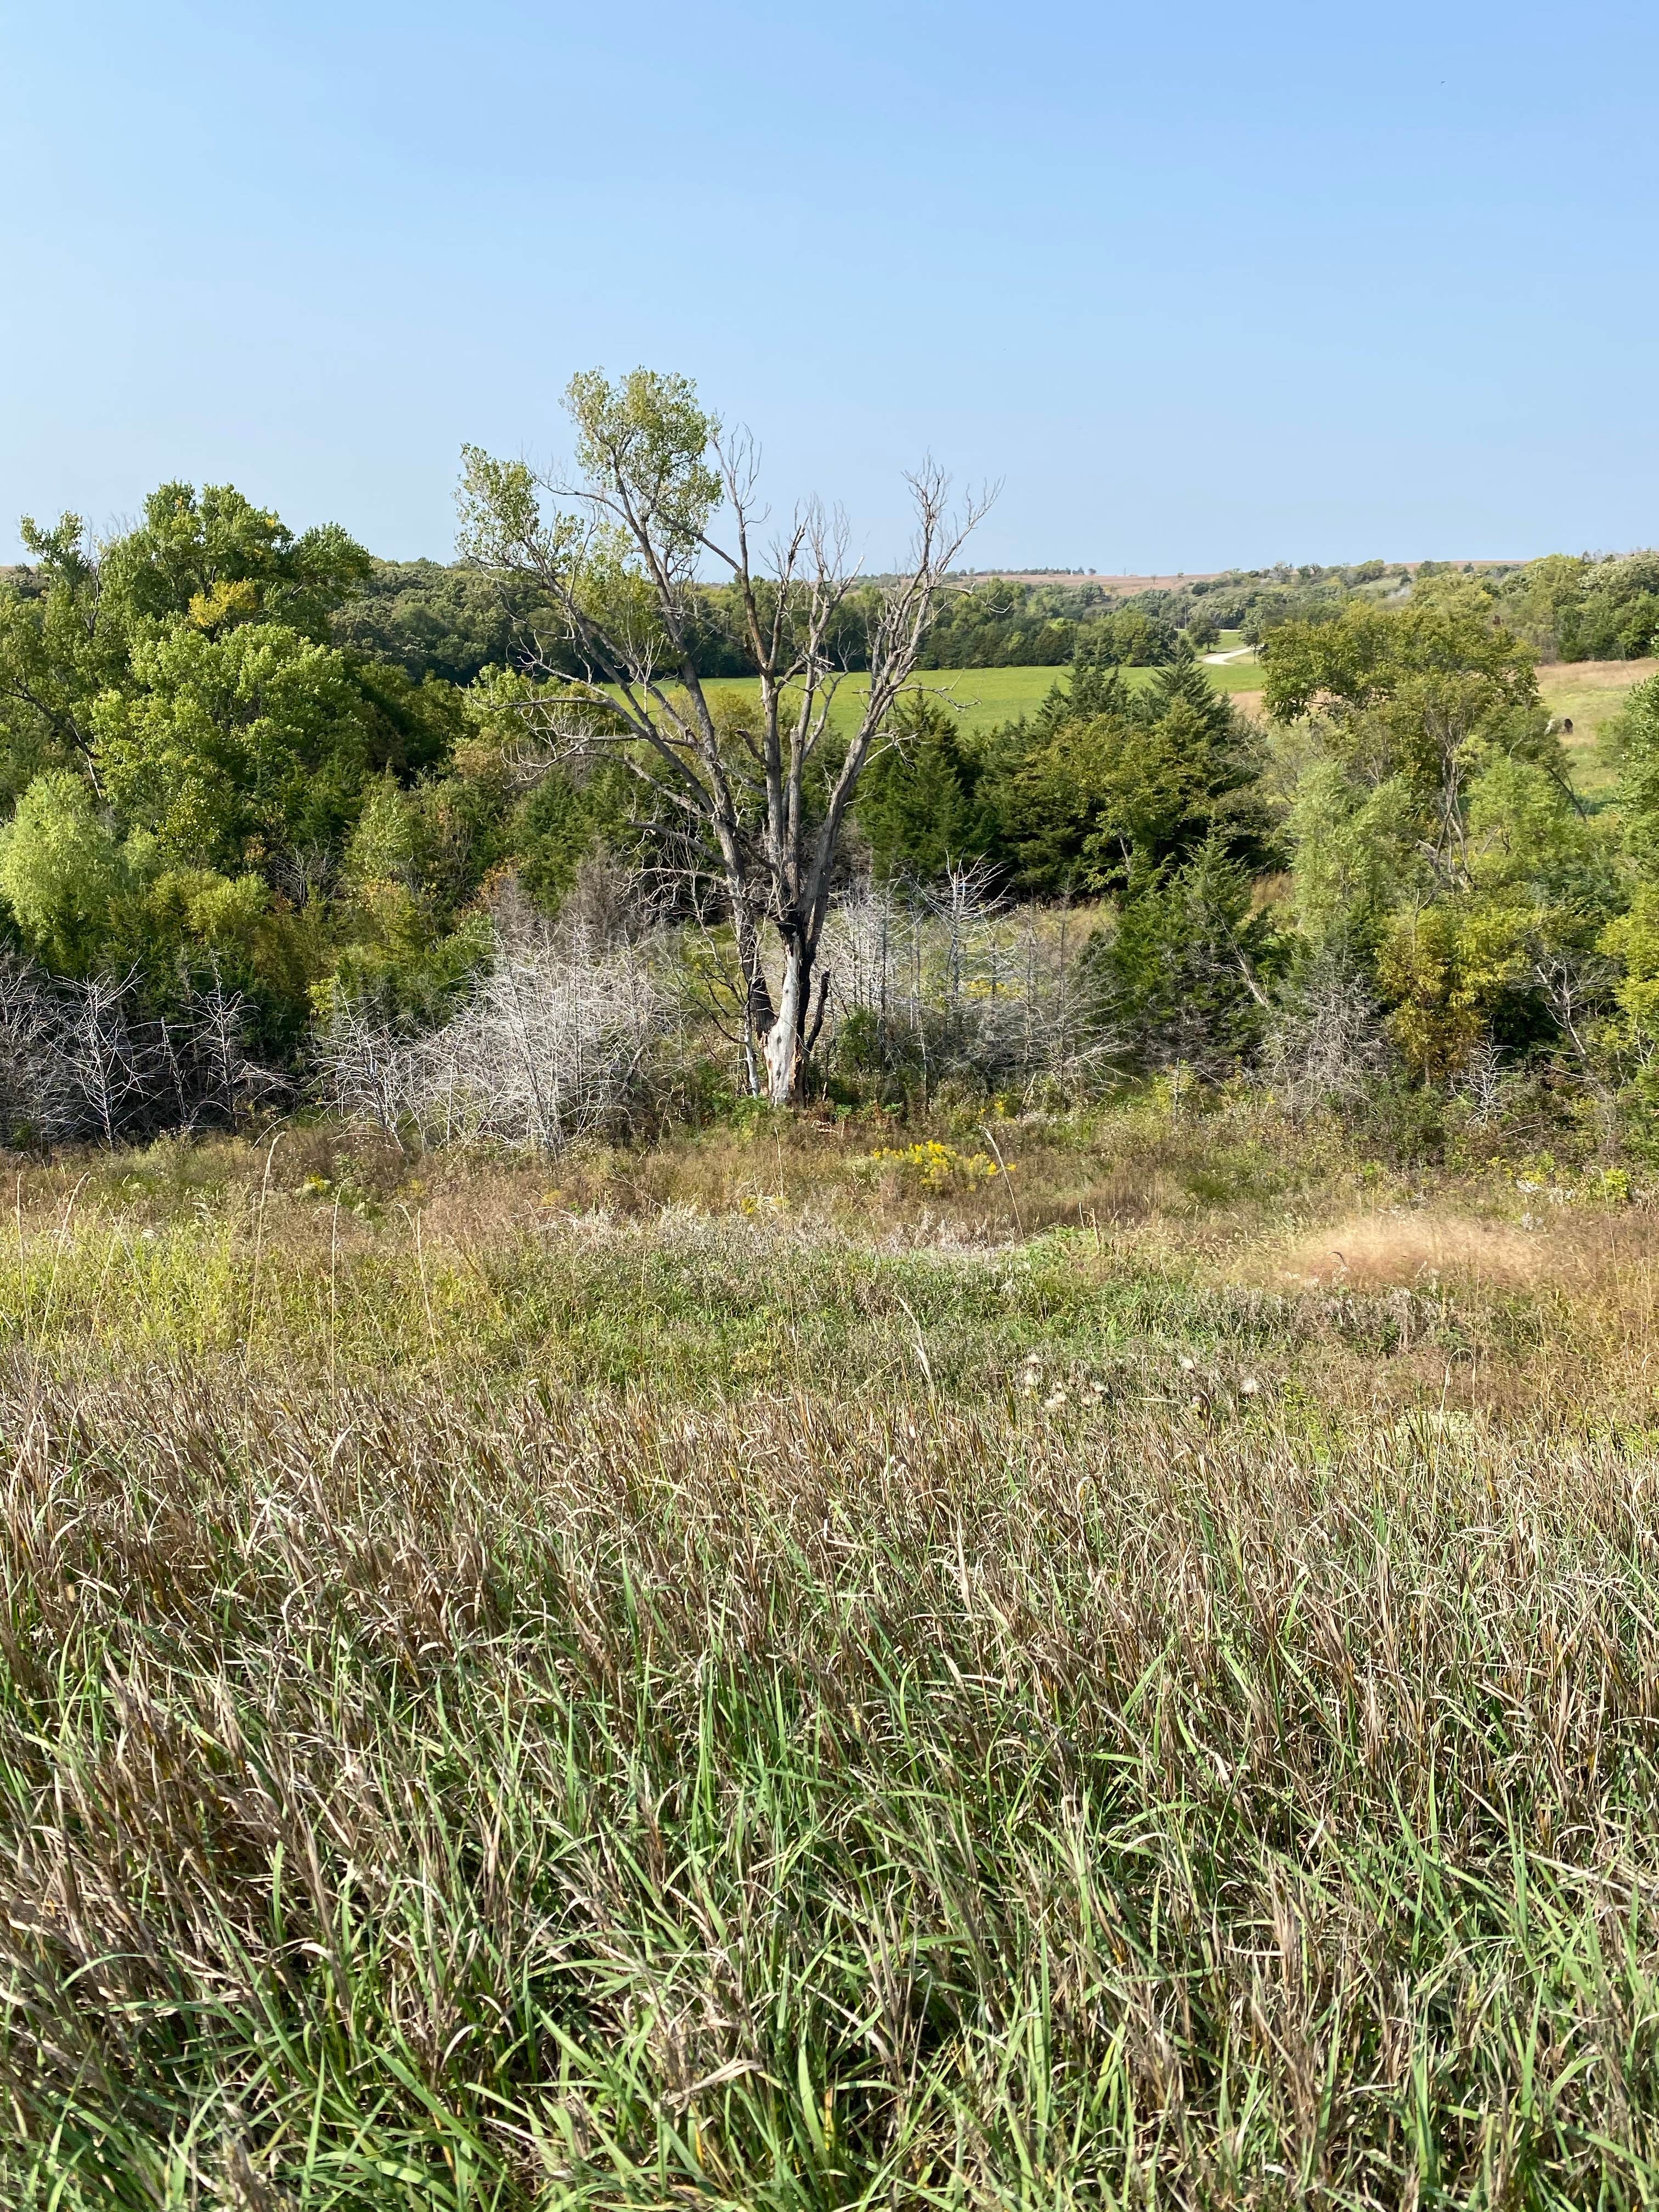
[
  {"x": 1129, "y": 637},
  {"x": 232, "y": 748},
  {"x": 62, "y": 871},
  {"x": 1355, "y": 854},
  {"x": 1580, "y": 608},
  {"x": 1446, "y": 969},
  {"x": 64, "y": 643},
  {"x": 85, "y": 900},
  {"x": 1435, "y": 842},
  {"x": 215, "y": 559},
  {"x": 1631, "y": 938},
  {"x": 1426, "y": 692}
]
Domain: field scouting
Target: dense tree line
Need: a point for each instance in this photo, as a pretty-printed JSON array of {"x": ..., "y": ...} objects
[
  {"x": 453, "y": 622},
  {"x": 1567, "y": 607},
  {"x": 1581, "y": 608},
  {"x": 205, "y": 785},
  {"x": 258, "y": 779},
  {"x": 1398, "y": 875},
  {"x": 429, "y": 618}
]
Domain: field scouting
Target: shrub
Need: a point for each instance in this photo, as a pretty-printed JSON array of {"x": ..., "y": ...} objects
[{"x": 547, "y": 1047}]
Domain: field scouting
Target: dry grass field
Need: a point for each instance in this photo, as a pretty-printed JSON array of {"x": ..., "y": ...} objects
[{"x": 745, "y": 1673}]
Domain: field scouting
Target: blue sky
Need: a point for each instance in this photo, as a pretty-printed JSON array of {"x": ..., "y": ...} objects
[{"x": 1200, "y": 286}]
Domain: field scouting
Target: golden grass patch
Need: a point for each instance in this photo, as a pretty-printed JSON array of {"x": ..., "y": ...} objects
[{"x": 1381, "y": 1250}]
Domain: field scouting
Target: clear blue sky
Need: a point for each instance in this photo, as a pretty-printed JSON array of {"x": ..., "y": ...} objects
[{"x": 1202, "y": 285}]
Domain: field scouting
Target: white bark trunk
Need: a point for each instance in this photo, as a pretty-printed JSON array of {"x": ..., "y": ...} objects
[{"x": 783, "y": 1039}]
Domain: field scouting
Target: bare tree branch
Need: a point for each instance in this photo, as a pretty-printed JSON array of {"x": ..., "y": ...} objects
[{"x": 615, "y": 553}]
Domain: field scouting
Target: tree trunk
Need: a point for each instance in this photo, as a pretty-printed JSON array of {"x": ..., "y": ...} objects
[{"x": 784, "y": 1042}]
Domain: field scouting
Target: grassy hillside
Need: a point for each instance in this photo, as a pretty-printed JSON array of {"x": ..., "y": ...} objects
[
  {"x": 792, "y": 1668},
  {"x": 1591, "y": 694}
]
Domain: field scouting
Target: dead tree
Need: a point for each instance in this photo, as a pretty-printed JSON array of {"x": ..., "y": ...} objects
[
  {"x": 949, "y": 981},
  {"x": 617, "y": 554},
  {"x": 81, "y": 1057},
  {"x": 550, "y": 1044}
]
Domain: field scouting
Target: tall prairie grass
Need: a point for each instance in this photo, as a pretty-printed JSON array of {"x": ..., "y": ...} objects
[{"x": 616, "y": 1703}]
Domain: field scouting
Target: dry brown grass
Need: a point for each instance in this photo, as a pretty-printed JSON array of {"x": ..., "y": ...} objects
[
  {"x": 1591, "y": 694},
  {"x": 450, "y": 1797},
  {"x": 734, "y": 1260},
  {"x": 723, "y": 1672},
  {"x": 1113, "y": 1168},
  {"x": 1369, "y": 1251}
]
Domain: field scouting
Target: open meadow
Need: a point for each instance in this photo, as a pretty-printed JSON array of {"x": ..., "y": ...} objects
[
  {"x": 1589, "y": 693},
  {"x": 901, "y": 1458},
  {"x": 984, "y": 697},
  {"x": 724, "y": 1490},
  {"x": 1110, "y": 1660}
]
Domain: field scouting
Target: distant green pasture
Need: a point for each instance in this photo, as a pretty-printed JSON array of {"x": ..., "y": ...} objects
[
  {"x": 1591, "y": 696},
  {"x": 983, "y": 697}
]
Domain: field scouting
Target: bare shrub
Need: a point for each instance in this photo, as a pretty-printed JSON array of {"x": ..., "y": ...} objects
[
  {"x": 84, "y": 1058},
  {"x": 948, "y": 979},
  {"x": 553, "y": 1038},
  {"x": 1327, "y": 1045},
  {"x": 363, "y": 1068},
  {"x": 29, "y": 1079}
]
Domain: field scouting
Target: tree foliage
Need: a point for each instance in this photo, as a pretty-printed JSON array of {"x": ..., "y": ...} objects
[
  {"x": 1181, "y": 980},
  {"x": 246, "y": 766}
]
